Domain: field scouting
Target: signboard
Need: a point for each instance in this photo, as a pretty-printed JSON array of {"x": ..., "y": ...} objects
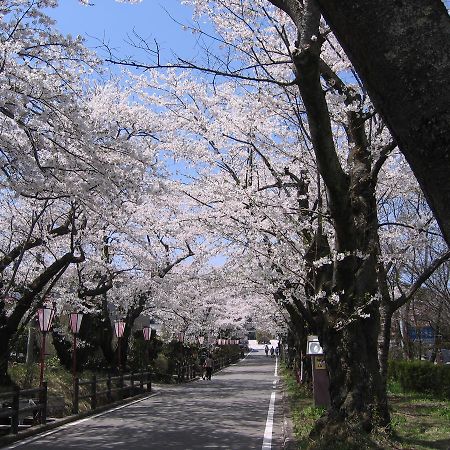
[
  {"x": 319, "y": 363},
  {"x": 424, "y": 334},
  {"x": 313, "y": 346}
]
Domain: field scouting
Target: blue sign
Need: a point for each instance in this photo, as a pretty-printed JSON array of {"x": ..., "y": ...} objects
[{"x": 424, "y": 334}]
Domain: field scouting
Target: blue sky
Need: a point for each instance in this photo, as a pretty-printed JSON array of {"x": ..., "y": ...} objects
[{"x": 111, "y": 21}]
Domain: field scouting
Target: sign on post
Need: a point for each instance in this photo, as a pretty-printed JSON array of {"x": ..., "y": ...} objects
[{"x": 320, "y": 375}]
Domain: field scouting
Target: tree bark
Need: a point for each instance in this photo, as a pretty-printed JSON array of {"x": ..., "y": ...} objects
[
  {"x": 358, "y": 400},
  {"x": 401, "y": 50}
]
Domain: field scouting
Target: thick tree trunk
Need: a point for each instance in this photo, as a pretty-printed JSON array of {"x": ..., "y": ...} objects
[
  {"x": 358, "y": 398},
  {"x": 401, "y": 50},
  {"x": 5, "y": 379}
]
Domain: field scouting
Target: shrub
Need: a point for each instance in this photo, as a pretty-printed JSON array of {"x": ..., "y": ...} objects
[{"x": 422, "y": 376}]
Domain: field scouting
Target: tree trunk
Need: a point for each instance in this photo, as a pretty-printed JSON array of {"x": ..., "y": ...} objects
[
  {"x": 30, "y": 346},
  {"x": 401, "y": 50},
  {"x": 5, "y": 379},
  {"x": 358, "y": 398},
  {"x": 385, "y": 341}
]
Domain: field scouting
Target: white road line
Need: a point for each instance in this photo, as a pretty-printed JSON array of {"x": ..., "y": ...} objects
[
  {"x": 267, "y": 442},
  {"x": 71, "y": 424}
]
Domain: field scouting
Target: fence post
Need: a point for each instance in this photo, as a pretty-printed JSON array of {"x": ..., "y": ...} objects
[
  {"x": 149, "y": 381},
  {"x": 132, "y": 384},
  {"x": 15, "y": 411},
  {"x": 108, "y": 389},
  {"x": 76, "y": 395},
  {"x": 121, "y": 386},
  {"x": 43, "y": 402},
  {"x": 94, "y": 392}
]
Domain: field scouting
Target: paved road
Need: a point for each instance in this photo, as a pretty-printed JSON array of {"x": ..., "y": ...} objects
[{"x": 229, "y": 412}]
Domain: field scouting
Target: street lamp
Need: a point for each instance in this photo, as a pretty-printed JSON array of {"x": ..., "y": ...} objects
[
  {"x": 180, "y": 336},
  {"x": 147, "y": 331},
  {"x": 45, "y": 318},
  {"x": 75, "y": 319},
  {"x": 119, "y": 328}
]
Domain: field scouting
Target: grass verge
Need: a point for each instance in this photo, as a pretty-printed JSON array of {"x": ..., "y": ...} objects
[{"x": 419, "y": 422}]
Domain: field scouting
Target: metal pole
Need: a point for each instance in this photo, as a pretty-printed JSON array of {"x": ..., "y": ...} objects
[
  {"x": 29, "y": 358},
  {"x": 41, "y": 378},
  {"x": 74, "y": 356},
  {"x": 120, "y": 355}
]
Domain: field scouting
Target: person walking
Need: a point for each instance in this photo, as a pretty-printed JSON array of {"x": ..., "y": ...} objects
[
  {"x": 266, "y": 349},
  {"x": 208, "y": 367},
  {"x": 272, "y": 352}
]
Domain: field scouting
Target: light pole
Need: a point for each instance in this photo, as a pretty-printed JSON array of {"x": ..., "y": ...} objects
[
  {"x": 45, "y": 317},
  {"x": 75, "y": 319},
  {"x": 119, "y": 327}
]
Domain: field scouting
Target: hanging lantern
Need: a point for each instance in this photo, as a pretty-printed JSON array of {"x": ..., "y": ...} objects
[
  {"x": 147, "y": 331},
  {"x": 75, "y": 319},
  {"x": 119, "y": 327},
  {"x": 45, "y": 317}
]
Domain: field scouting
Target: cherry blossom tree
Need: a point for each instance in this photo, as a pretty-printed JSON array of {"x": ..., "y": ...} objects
[{"x": 323, "y": 152}]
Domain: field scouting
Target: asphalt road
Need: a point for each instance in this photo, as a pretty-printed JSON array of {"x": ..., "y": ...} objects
[{"x": 229, "y": 412}]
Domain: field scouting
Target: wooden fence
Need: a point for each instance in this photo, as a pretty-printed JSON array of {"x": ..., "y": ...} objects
[
  {"x": 21, "y": 404},
  {"x": 187, "y": 372},
  {"x": 109, "y": 389}
]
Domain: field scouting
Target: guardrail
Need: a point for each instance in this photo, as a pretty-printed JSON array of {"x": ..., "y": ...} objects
[
  {"x": 35, "y": 405},
  {"x": 123, "y": 385}
]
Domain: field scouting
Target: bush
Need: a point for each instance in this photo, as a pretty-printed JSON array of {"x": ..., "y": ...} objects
[{"x": 422, "y": 376}]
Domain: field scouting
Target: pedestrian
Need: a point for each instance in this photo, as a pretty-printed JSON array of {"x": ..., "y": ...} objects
[
  {"x": 208, "y": 365},
  {"x": 272, "y": 352},
  {"x": 277, "y": 351},
  {"x": 266, "y": 349}
]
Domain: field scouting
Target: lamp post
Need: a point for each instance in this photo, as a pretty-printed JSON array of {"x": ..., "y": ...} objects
[
  {"x": 75, "y": 319},
  {"x": 119, "y": 327},
  {"x": 147, "y": 332},
  {"x": 45, "y": 318}
]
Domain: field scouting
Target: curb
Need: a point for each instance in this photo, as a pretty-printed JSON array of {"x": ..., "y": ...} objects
[{"x": 38, "y": 429}]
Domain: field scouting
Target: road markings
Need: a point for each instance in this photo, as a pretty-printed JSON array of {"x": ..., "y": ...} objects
[
  {"x": 267, "y": 442},
  {"x": 76, "y": 422}
]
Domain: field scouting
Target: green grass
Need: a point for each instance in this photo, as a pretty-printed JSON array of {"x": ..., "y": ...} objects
[
  {"x": 419, "y": 421},
  {"x": 304, "y": 414}
]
